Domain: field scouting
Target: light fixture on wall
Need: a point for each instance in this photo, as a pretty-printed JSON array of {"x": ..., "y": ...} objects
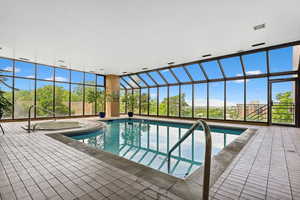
[
  {"x": 206, "y": 55},
  {"x": 259, "y": 26},
  {"x": 26, "y": 59},
  {"x": 258, "y": 44}
]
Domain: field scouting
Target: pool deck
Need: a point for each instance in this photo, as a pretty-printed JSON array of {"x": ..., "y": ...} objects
[{"x": 35, "y": 166}]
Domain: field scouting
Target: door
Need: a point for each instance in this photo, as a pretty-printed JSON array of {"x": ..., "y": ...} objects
[{"x": 282, "y": 102}]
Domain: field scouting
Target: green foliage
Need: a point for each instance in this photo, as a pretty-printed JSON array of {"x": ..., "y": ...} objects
[
  {"x": 283, "y": 110},
  {"x": 5, "y": 105}
]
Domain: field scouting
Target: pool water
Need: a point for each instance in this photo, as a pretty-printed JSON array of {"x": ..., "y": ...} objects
[{"x": 147, "y": 142}]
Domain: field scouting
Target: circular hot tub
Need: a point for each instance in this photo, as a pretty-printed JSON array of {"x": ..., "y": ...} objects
[{"x": 56, "y": 125}]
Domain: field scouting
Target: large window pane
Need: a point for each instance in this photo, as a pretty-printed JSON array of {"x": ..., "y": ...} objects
[
  {"x": 200, "y": 100},
  {"x": 45, "y": 72},
  {"x": 76, "y": 76},
  {"x": 212, "y": 69},
  {"x": 62, "y": 99},
  {"x": 122, "y": 102},
  {"x": 157, "y": 78},
  {"x": 6, "y": 66},
  {"x": 147, "y": 79},
  {"x": 90, "y": 78},
  {"x": 181, "y": 74},
  {"x": 101, "y": 99},
  {"x": 232, "y": 66},
  {"x": 174, "y": 101},
  {"x": 282, "y": 59},
  {"x": 44, "y": 98},
  {"x": 24, "y": 97},
  {"x": 25, "y": 69},
  {"x": 100, "y": 80},
  {"x": 186, "y": 101},
  {"x": 257, "y": 93},
  {"x": 153, "y": 101},
  {"x": 62, "y": 75},
  {"x": 136, "y": 106},
  {"x": 255, "y": 63},
  {"x": 163, "y": 101},
  {"x": 90, "y": 100},
  {"x": 144, "y": 101},
  {"x": 76, "y": 99},
  {"x": 235, "y": 100},
  {"x": 168, "y": 76},
  {"x": 138, "y": 80},
  {"x": 216, "y": 100},
  {"x": 7, "y": 94},
  {"x": 195, "y": 72}
]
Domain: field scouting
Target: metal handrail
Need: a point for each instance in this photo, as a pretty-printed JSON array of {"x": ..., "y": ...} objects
[
  {"x": 207, "y": 159},
  {"x": 29, "y": 115}
]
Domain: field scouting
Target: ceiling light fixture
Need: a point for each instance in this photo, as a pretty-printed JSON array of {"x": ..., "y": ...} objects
[
  {"x": 260, "y": 26},
  {"x": 124, "y": 72},
  {"x": 24, "y": 59},
  {"x": 64, "y": 66},
  {"x": 0, "y": 48},
  {"x": 144, "y": 68},
  {"x": 61, "y": 61},
  {"x": 101, "y": 69},
  {"x": 258, "y": 44},
  {"x": 171, "y": 63},
  {"x": 206, "y": 55}
]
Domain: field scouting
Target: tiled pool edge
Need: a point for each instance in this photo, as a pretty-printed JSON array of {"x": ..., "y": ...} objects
[{"x": 190, "y": 188}]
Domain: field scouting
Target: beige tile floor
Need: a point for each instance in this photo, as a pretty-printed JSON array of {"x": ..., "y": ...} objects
[{"x": 36, "y": 166}]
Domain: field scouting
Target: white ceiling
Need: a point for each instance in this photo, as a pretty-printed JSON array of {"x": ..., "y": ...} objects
[{"x": 127, "y": 35}]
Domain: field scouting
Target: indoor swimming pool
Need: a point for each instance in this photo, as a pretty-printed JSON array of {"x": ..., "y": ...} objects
[{"x": 147, "y": 142}]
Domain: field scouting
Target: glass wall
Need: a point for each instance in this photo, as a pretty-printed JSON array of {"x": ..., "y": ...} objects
[
  {"x": 224, "y": 88},
  {"x": 56, "y": 92}
]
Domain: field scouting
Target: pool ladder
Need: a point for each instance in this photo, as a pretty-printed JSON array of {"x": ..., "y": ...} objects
[
  {"x": 29, "y": 116},
  {"x": 207, "y": 159}
]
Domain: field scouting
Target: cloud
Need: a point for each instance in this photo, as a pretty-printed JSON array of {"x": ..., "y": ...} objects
[
  {"x": 59, "y": 78},
  {"x": 29, "y": 76},
  {"x": 254, "y": 72},
  {"x": 11, "y": 69}
]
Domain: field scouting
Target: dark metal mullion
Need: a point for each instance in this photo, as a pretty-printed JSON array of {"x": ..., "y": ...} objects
[
  {"x": 269, "y": 90},
  {"x": 179, "y": 114},
  {"x": 142, "y": 80},
  {"x": 245, "y": 99},
  {"x": 221, "y": 68},
  {"x": 203, "y": 71},
  {"x": 243, "y": 66},
  {"x": 83, "y": 94},
  {"x": 53, "y": 98},
  {"x": 268, "y": 62},
  {"x": 157, "y": 101},
  {"x": 188, "y": 73},
  {"x": 13, "y": 91},
  {"x": 152, "y": 79},
  {"x": 140, "y": 101},
  {"x": 168, "y": 102},
  {"x": 225, "y": 100},
  {"x": 176, "y": 78},
  {"x": 35, "y": 85},
  {"x": 207, "y": 99},
  {"x": 70, "y": 94},
  {"x": 193, "y": 96},
  {"x": 148, "y": 99},
  {"x": 122, "y": 85},
  {"x": 162, "y": 76}
]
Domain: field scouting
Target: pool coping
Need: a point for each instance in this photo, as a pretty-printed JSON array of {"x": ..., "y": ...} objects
[{"x": 188, "y": 188}]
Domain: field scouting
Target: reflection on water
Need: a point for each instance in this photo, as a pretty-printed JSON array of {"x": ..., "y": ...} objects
[{"x": 147, "y": 143}]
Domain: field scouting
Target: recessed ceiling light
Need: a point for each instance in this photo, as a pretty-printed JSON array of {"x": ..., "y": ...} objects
[
  {"x": 171, "y": 63},
  {"x": 258, "y": 44},
  {"x": 240, "y": 51},
  {"x": 206, "y": 55},
  {"x": 64, "y": 66},
  {"x": 0, "y": 48},
  {"x": 124, "y": 72},
  {"x": 61, "y": 61},
  {"x": 24, "y": 59},
  {"x": 101, "y": 69},
  {"x": 144, "y": 68},
  {"x": 260, "y": 26}
]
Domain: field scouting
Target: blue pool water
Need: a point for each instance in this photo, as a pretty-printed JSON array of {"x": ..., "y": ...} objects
[{"x": 147, "y": 142}]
